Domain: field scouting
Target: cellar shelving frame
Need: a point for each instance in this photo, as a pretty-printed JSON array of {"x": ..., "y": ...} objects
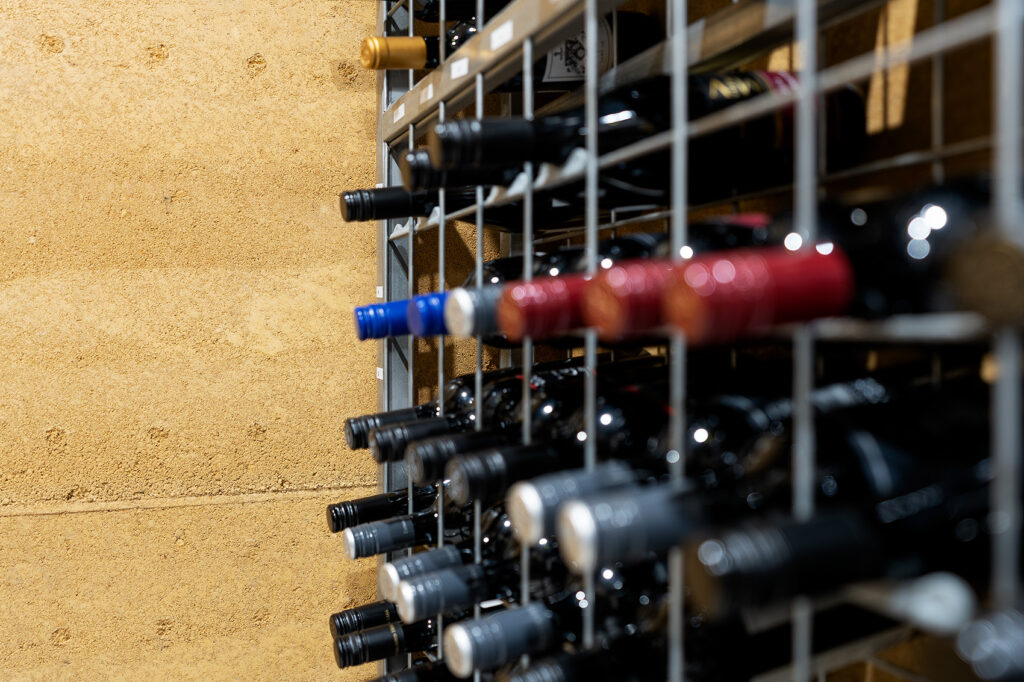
[{"x": 526, "y": 28}]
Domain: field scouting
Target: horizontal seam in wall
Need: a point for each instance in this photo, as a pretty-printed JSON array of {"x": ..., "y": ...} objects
[{"x": 53, "y": 509}]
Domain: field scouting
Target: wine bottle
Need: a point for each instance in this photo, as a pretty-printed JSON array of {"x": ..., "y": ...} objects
[
  {"x": 554, "y": 306},
  {"x": 871, "y": 261},
  {"x": 425, "y": 459},
  {"x": 626, "y": 115},
  {"x": 491, "y": 642},
  {"x": 384, "y": 641},
  {"x": 376, "y": 507},
  {"x": 935, "y": 527},
  {"x": 486, "y": 475},
  {"x": 549, "y": 307},
  {"x": 623, "y": 603},
  {"x": 632, "y": 426},
  {"x": 457, "y": 588},
  {"x": 384, "y": 203},
  {"x": 628, "y": 297},
  {"x": 454, "y": 589},
  {"x": 737, "y": 445},
  {"x": 532, "y": 504},
  {"x": 390, "y": 574},
  {"x": 418, "y": 174},
  {"x": 362, "y": 617},
  {"x": 629, "y": 419},
  {"x": 471, "y": 311},
  {"x": 500, "y": 404},
  {"x": 388, "y": 443},
  {"x": 457, "y": 395},
  {"x": 494, "y": 527},
  {"x": 638, "y": 110},
  {"x": 403, "y": 532},
  {"x": 423, "y": 315}
]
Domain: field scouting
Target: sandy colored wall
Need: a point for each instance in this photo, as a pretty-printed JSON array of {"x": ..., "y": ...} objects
[{"x": 177, "y": 353}]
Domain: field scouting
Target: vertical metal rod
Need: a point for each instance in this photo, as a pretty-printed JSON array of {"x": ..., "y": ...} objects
[
  {"x": 441, "y": 229},
  {"x": 524, "y": 556},
  {"x": 478, "y": 401},
  {"x": 615, "y": 37},
  {"x": 441, "y": 235},
  {"x": 411, "y": 341},
  {"x": 412, "y": 73},
  {"x": 938, "y": 103},
  {"x": 590, "y": 360},
  {"x": 442, "y": 26},
  {"x": 805, "y": 207},
  {"x": 677, "y": 358},
  {"x": 478, "y": 384},
  {"x": 1006, "y": 503}
]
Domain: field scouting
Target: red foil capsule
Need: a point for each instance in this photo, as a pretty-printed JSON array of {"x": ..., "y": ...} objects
[
  {"x": 717, "y": 298},
  {"x": 545, "y": 308},
  {"x": 627, "y": 298}
]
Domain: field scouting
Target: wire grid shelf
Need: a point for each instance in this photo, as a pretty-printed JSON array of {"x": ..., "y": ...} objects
[{"x": 507, "y": 45}]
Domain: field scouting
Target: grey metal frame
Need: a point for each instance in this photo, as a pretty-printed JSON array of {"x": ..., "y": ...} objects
[{"x": 528, "y": 28}]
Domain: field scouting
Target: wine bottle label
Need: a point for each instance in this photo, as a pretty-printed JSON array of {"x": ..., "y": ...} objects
[{"x": 568, "y": 61}]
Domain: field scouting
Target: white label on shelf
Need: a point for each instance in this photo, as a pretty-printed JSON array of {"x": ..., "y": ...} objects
[
  {"x": 380, "y": 292},
  {"x": 399, "y": 112},
  {"x": 459, "y": 68},
  {"x": 379, "y": 185},
  {"x": 777, "y": 11},
  {"x": 380, "y": 374},
  {"x": 568, "y": 61},
  {"x": 502, "y": 35},
  {"x": 695, "y": 41},
  {"x": 427, "y": 94}
]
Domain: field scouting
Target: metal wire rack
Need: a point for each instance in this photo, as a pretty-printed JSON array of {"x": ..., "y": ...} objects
[{"x": 508, "y": 44}]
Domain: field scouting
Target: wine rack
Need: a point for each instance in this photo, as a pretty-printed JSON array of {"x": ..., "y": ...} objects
[{"x": 508, "y": 45}]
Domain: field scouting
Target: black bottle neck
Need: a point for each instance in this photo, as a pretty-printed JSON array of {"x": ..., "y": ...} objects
[
  {"x": 384, "y": 641},
  {"x": 362, "y": 618},
  {"x": 377, "y": 507}
]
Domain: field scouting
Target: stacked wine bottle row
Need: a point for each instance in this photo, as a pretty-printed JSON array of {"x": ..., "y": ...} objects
[
  {"x": 902, "y": 483},
  {"x": 582, "y": 518},
  {"x": 740, "y": 275}
]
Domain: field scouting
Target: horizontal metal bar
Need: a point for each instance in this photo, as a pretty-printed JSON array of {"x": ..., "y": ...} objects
[{"x": 952, "y": 327}]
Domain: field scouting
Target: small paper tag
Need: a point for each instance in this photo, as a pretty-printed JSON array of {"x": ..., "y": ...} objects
[
  {"x": 568, "y": 61},
  {"x": 502, "y": 35},
  {"x": 380, "y": 374},
  {"x": 380, "y": 292},
  {"x": 427, "y": 94},
  {"x": 399, "y": 112},
  {"x": 459, "y": 68}
]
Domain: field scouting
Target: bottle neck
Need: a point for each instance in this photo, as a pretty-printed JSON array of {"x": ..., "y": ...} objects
[
  {"x": 400, "y": 52},
  {"x": 362, "y": 618},
  {"x": 384, "y": 641},
  {"x": 385, "y": 203},
  {"x": 376, "y": 508},
  {"x": 487, "y": 475}
]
